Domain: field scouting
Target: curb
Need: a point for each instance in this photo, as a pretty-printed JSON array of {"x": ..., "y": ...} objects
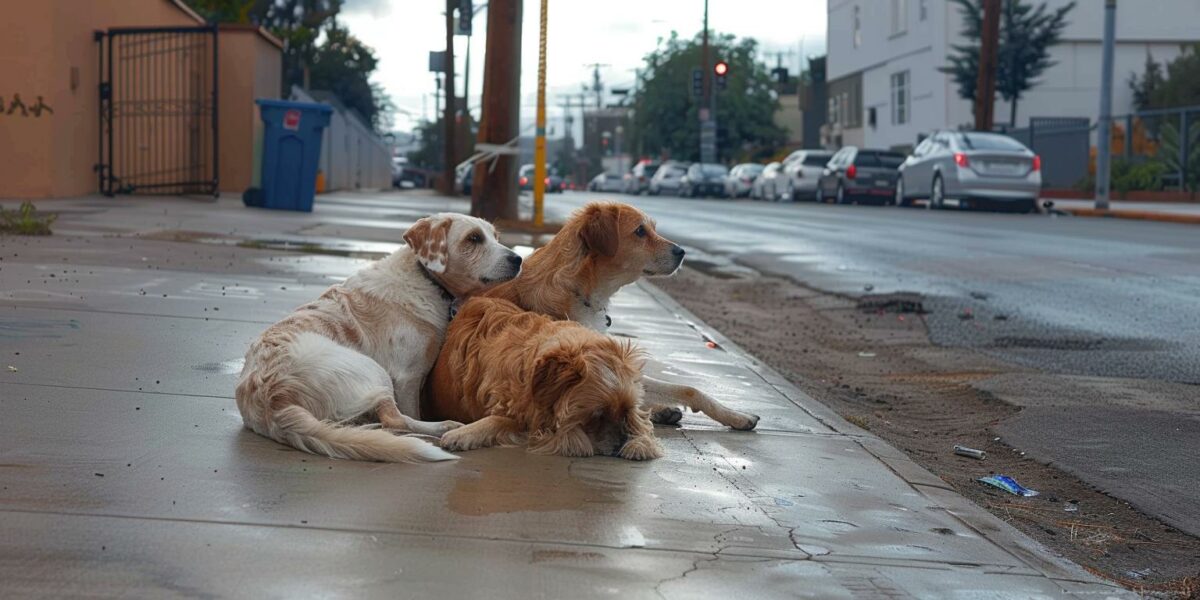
[
  {"x": 975, "y": 518},
  {"x": 1138, "y": 215}
]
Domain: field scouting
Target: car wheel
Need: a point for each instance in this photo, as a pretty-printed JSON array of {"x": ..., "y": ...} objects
[
  {"x": 791, "y": 192},
  {"x": 899, "y": 199},
  {"x": 819, "y": 195},
  {"x": 841, "y": 194},
  {"x": 937, "y": 194}
]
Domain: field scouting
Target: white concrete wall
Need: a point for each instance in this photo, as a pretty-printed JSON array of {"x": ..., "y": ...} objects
[
  {"x": 352, "y": 156},
  {"x": 1069, "y": 88}
]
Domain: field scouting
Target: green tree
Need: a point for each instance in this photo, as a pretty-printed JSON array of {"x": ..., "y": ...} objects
[
  {"x": 1147, "y": 87},
  {"x": 1023, "y": 52},
  {"x": 343, "y": 65},
  {"x": 666, "y": 118}
]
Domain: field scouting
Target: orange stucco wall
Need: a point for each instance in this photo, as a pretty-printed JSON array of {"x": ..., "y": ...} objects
[
  {"x": 251, "y": 67},
  {"x": 47, "y": 50}
]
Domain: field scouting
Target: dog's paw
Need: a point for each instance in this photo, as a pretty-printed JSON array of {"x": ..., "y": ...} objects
[
  {"x": 670, "y": 415},
  {"x": 744, "y": 422},
  {"x": 456, "y": 441},
  {"x": 441, "y": 428},
  {"x": 641, "y": 448}
]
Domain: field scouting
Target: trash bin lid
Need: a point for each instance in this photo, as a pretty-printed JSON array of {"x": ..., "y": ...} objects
[{"x": 289, "y": 104}]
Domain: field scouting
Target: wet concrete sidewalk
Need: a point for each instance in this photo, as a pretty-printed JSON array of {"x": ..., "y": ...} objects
[{"x": 125, "y": 469}]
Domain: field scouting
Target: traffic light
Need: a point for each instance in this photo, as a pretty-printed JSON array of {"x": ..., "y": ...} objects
[
  {"x": 697, "y": 83},
  {"x": 466, "y": 12},
  {"x": 721, "y": 69}
]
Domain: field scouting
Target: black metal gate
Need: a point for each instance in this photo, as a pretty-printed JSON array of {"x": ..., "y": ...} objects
[{"x": 158, "y": 110}]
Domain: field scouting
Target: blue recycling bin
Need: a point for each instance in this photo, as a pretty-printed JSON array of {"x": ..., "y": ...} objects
[{"x": 291, "y": 148}]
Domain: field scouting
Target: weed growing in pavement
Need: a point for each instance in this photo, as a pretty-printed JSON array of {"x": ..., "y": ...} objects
[{"x": 26, "y": 220}]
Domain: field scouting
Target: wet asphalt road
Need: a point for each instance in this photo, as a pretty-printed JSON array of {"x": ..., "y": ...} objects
[
  {"x": 1072, "y": 295},
  {"x": 1103, "y": 311}
]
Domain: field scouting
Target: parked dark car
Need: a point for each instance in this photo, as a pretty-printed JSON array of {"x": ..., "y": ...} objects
[
  {"x": 704, "y": 179},
  {"x": 554, "y": 183},
  {"x": 859, "y": 175}
]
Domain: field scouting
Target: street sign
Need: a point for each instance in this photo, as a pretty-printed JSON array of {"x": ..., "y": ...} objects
[
  {"x": 437, "y": 61},
  {"x": 697, "y": 83}
]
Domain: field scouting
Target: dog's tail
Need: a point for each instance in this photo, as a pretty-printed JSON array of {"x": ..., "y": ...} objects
[{"x": 295, "y": 426}]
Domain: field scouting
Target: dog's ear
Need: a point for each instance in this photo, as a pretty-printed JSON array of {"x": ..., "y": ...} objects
[
  {"x": 599, "y": 232},
  {"x": 554, "y": 373},
  {"x": 427, "y": 238}
]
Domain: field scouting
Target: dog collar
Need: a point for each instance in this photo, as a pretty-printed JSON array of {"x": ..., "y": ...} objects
[{"x": 446, "y": 295}]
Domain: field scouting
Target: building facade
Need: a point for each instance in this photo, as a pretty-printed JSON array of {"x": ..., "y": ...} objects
[{"x": 885, "y": 89}]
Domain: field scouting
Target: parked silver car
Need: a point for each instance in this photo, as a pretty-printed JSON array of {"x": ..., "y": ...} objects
[
  {"x": 971, "y": 167},
  {"x": 741, "y": 179},
  {"x": 801, "y": 170},
  {"x": 607, "y": 182},
  {"x": 764, "y": 184},
  {"x": 667, "y": 178}
]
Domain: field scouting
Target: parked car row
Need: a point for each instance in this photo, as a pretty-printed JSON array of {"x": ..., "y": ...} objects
[{"x": 965, "y": 166}]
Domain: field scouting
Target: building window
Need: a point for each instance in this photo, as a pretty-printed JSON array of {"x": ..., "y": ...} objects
[
  {"x": 900, "y": 97},
  {"x": 857, "y": 28},
  {"x": 923, "y": 9},
  {"x": 844, "y": 110},
  {"x": 833, "y": 112},
  {"x": 899, "y": 16}
]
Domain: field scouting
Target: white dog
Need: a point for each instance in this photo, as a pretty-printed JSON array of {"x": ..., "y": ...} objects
[{"x": 365, "y": 346}]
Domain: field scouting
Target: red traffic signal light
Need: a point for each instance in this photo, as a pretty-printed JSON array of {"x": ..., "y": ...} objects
[{"x": 721, "y": 68}]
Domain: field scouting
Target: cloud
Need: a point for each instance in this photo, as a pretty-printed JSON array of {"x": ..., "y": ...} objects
[{"x": 374, "y": 8}]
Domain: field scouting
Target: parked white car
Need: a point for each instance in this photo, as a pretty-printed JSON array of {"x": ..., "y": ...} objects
[
  {"x": 741, "y": 179},
  {"x": 607, "y": 182},
  {"x": 970, "y": 167},
  {"x": 667, "y": 178},
  {"x": 801, "y": 170},
  {"x": 766, "y": 182}
]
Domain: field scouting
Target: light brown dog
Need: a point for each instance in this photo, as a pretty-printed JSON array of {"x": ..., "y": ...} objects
[
  {"x": 600, "y": 249},
  {"x": 557, "y": 385}
]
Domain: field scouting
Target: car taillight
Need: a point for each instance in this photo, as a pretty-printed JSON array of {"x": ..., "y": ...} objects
[
  {"x": 852, "y": 171},
  {"x": 524, "y": 181},
  {"x": 960, "y": 159},
  {"x": 547, "y": 181},
  {"x": 1037, "y": 163}
]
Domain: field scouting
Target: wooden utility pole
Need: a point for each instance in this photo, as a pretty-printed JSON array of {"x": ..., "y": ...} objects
[
  {"x": 985, "y": 85},
  {"x": 494, "y": 192},
  {"x": 449, "y": 117}
]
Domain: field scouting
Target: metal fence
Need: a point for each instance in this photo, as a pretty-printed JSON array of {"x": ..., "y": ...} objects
[
  {"x": 1152, "y": 150},
  {"x": 158, "y": 110}
]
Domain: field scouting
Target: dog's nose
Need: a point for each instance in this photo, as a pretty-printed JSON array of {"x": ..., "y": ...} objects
[
  {"x": 677, "y": 251},
  {"x": 514, "y": 260}
]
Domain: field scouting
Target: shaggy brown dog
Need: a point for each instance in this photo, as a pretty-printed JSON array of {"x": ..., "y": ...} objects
[
  {"x": 558, "y": 385},
  {"x": 601, "y": 248}
]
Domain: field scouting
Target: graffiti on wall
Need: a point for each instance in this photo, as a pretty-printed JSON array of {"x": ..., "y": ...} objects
[{"x": 15, "y": 107}]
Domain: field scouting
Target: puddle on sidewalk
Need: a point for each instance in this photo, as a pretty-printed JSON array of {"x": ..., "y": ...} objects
[{"x": 537, "y": 484}]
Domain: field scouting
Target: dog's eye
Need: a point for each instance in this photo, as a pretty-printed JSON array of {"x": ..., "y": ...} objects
[
  {"x": 640, "y": 231},
  {"x": 475, "y": 238}
]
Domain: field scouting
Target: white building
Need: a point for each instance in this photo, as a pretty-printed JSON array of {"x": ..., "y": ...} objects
[{"x": 883, "y": 58}]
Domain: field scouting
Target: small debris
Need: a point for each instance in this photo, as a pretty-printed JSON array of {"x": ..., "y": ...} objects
[
  {"x": 1007, "y": 484},
  {"x": 979, "y": 295},
  {"x": 1071, "y": 506},
  {"x": 12, "y": 369},
  {"x": 970, "y": 452},
  {"x": 868, "y": 287},
  {"x": 866, "y": 355},
  {"x": 966, "y": 314},
  {"x": 1001, "y": 317},
  {"x": 1143, "y": 573},
  {"x": 98, "y": 474}
]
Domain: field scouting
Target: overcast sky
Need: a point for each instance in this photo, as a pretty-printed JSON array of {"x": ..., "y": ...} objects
[{"x": 616, "y": 32}]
